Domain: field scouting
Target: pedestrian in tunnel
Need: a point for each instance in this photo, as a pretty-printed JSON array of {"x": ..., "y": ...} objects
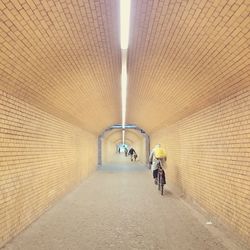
[
  {"x": 126, "y": 151},
  {"x": 158, "y": 156},
  {"x": 135, "y": 156},
  {"x": 132, "y": 154}
]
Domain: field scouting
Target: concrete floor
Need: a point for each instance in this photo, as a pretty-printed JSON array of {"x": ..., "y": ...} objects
[{"x": 119, "y": 207}]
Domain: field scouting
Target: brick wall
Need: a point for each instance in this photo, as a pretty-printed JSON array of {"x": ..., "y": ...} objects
[
  {"x": 209, "y": 158},
  {"x": 41, "y": 158}
]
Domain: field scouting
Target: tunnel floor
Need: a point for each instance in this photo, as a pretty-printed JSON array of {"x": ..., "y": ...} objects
[{"x": 119, "y": 207}]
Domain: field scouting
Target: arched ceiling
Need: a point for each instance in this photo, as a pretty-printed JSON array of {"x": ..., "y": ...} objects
[
  {"x": 119, "y": 141},
  {"x": 64, "y": 58},
  {"x": 115, "y": 136},
  {"x": 185, "y": 55}
]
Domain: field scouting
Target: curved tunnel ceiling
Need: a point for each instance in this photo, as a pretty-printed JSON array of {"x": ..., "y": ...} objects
[
  {"x": 116, "y": 135},
  {"x": 128, "y": 141},
  {"x": 64, "y": 58}
]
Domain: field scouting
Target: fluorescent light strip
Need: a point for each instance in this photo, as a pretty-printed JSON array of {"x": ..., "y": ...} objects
[
  {"x": 123, "y": 137},
  {"x": 124, "y": 84},
  {"x": 124, "y": 22},
  {"x": 124, "y": 38}
]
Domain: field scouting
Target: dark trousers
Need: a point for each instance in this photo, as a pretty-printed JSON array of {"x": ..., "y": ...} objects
[{"x": 155, "y": 175}]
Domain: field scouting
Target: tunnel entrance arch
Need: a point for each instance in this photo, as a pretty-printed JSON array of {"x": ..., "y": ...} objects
[{"x": 119, "y": 127}]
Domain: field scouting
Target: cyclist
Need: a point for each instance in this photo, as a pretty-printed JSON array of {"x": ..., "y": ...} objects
[
  {"x": 132, "y": 153},
  {"x": 157, "y": 158}
]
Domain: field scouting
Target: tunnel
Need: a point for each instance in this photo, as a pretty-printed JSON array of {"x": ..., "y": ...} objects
[
  {"x": 80, "y": 79},
  {"x": 110, "y": 142}
]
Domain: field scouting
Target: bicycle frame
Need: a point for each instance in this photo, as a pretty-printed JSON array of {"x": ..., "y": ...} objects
[{"x": 160, "y": 177}]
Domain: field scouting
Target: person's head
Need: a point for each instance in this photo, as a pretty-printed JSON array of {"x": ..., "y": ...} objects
[{"x": 157, "y": 145}]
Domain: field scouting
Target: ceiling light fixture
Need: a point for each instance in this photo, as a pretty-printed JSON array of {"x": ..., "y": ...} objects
[
  {"x": 123, "y": 136},
  {"x": 124, "y": 37},
  {"x": 124, "y": 22},
  {"x": 124, "y": 84}
]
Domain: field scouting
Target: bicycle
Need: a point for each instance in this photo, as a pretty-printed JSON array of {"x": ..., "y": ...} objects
[{"x": 161, "y": 177}]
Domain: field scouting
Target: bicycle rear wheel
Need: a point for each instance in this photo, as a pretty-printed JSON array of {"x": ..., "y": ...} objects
[
  {"x": 159, "y": 181},
  {"x": 162, "y": 189}
]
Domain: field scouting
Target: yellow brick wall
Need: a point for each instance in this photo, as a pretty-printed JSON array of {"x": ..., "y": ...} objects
[
  {"x": 41, "y": 158},
  {"x": 209, "y": 158}
]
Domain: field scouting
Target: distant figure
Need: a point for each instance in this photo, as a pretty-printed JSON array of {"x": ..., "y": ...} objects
[
  {"x": 132, "y": 154},
  {"x": 135, "y": 156},
  {"x": 119, "y": 150},
  {"x": 126, "y": 151}
]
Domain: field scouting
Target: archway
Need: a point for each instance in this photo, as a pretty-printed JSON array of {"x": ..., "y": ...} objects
[{"x": 134, "y": 130}]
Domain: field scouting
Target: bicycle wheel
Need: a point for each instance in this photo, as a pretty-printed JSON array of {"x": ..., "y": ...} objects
[
  {"x": 162, "y": 189},
  {"x": 159, "y": 180}
]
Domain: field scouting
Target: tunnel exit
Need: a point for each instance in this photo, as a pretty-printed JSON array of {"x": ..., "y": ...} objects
[{"x": 111, "y": 148}]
